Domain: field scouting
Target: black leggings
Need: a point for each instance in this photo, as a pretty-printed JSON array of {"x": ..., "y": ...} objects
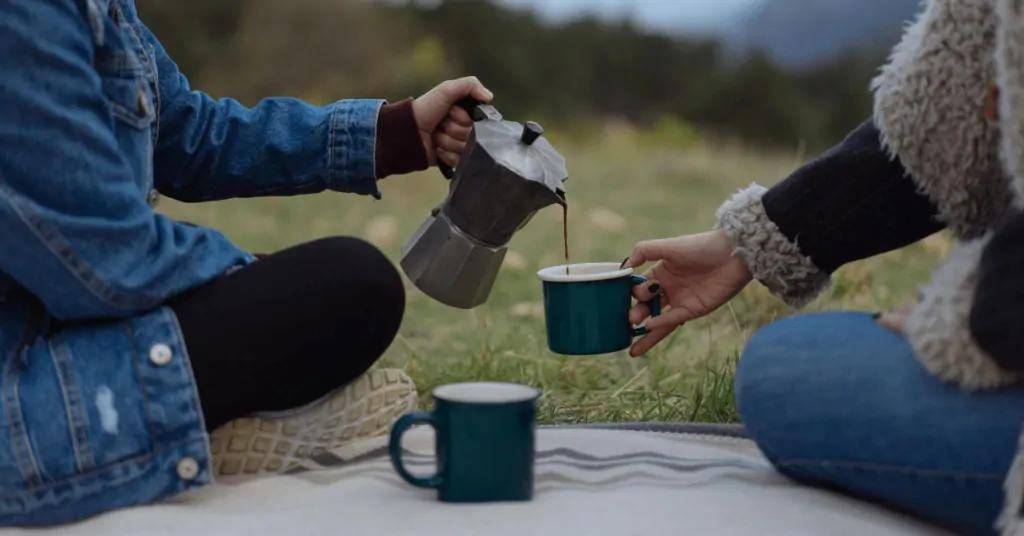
[{"x": 290, "y": 327}]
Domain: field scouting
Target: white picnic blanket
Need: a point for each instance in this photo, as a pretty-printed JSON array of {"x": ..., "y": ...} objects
[{"x": 588, "y": 483}]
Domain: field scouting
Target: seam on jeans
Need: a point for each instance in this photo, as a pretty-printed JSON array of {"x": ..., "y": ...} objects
[
  {"x": 141, "y": 378},
  {"x": 200, "y": 416},
  {"x": 58, "y": 245},
  {"x": 73, "y": 406},
  {"x": 153, "y": 78},
  {"x": 16, "y": 421},
  {"x": 283, "y": 189},
  {"x": 373, "y": 153},
  {"x": 882, "y": 468},
  {"x": 376, "y": 194},
  {"x": 72, "y": 481},
  {"x": 20, "y": 441},
  {"x": 331, "y": 142},
  {"x": 157, "y": 100}
]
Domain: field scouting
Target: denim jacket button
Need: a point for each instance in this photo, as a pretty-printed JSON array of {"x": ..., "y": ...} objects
[
  {"x": 160, "y": 354},
  {"x": 188, "y": 469}
]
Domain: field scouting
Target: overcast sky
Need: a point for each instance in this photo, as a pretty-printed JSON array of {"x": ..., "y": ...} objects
[{"x": 688, "y": 14}]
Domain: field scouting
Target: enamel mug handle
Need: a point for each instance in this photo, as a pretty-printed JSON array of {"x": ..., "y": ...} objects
[{"x": 395, "y": 449}]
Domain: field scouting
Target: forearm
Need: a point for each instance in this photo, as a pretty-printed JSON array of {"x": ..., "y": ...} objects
[
  {"x": 853, "y": 202},
  {"x": 217, "y": 149}
]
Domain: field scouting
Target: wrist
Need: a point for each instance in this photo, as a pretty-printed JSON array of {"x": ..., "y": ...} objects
[
  {"x": 399, "y": 147},
  {"x": 767, "y": 253},
  {"x": 723, "y": 246}
]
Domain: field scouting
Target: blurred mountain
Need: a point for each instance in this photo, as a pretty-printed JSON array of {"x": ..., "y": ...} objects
[
  {"x": 803, "y": 33},
  {"x": 581, "y": 72},
  {"x": 793, "y": 33}
]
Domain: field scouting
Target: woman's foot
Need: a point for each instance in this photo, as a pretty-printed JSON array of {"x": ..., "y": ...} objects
[{"x": 275, "y": 442}]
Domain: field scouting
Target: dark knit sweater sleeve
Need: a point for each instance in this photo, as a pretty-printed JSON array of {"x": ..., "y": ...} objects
[
  {"x": 853, "y": 202},
  {"x": 399, "y": 149}
]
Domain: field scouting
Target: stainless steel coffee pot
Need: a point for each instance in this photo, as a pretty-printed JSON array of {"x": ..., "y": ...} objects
[{"x": 507, "y": 172}]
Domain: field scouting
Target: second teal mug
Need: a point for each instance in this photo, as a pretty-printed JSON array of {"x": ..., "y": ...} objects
[
  {"x": 587, "y": 310},
  {"x": 484, "y": 437}
]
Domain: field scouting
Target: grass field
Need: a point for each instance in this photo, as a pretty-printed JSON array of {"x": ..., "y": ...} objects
[{"x": 618, "y": 194}]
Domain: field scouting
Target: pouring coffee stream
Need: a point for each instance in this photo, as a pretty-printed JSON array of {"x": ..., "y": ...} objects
[{"x": 507, "y": 172}]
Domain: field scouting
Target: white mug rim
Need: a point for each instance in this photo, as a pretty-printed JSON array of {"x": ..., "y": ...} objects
[
  {"x": 463, "y": 393},
  {"x": 610, "y": 270}
]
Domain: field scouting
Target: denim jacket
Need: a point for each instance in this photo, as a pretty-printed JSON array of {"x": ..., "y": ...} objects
[{"x": 95, "y": 119}]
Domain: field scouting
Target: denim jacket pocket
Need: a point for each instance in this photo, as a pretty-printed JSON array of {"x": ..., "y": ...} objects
[
  {"x": 124, "y": 73},
  {"x": 98, "y": 417},
  {"x": 131, "y": 103},
  {"x": 125, "y": 83},
  {"x": 131, "y": 100}
]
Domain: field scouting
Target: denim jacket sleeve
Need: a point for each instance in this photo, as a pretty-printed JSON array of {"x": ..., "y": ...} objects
[
  {"x": 75, "y": 229},
  {"x": 217, "y": 149}
]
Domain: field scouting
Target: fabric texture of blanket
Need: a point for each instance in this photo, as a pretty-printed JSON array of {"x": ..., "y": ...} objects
[{"x": 591, "y": 482}]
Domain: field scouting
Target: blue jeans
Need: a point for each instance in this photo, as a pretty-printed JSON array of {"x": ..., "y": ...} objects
[{"x": 837, "y": 401}]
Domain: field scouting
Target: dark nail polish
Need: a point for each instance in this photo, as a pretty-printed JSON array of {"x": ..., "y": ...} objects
[
  {"x": 876, "y": 316},
  {"x": 654, "y": 288},
  {"x": 623, "y": 263}
]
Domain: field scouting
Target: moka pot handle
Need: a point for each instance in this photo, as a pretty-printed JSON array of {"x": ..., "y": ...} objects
[{"x": 471, "y": 105}]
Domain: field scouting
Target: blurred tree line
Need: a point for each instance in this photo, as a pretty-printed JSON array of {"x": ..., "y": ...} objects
[{"x": 570, "y": 75}]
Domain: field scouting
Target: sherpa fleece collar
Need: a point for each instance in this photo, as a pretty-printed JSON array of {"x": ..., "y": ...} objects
[{"x": 930, "y": 105}]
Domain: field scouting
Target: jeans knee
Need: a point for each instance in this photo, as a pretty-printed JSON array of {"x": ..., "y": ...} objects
[
  {"x": 750, "y": 384},
  {"x": 806, "y": 370},
  {"x": 783, "y": 356},
  {"x": 768, "y": 379}
]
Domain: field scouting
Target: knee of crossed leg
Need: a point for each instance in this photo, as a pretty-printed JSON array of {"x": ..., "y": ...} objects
[
  {"x": 765, "y": 383},
  {"x": 797, "y": 377},
  {"x": 366, "y": 293}
]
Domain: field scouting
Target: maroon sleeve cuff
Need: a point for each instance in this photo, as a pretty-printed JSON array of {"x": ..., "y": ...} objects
[{"x": 399, "y": 148}]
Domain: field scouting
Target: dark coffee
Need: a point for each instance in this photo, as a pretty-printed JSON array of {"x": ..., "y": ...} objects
[{"x": 565, "y": 234}]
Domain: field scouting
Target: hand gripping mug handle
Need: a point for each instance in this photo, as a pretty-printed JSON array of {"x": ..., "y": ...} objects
[
  {"x": 654, "y": 304},
  {"x": 401, "y": 426}
]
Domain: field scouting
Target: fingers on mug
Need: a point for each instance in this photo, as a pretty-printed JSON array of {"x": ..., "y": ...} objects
[
  {"x": 401, "y": 426},
  {"x": 654, "y": 304}
]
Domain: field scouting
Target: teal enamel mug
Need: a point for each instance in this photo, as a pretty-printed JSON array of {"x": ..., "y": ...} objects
[
  {"x": 485, "y": 442},
  {"x": 586, "y": 311}
]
